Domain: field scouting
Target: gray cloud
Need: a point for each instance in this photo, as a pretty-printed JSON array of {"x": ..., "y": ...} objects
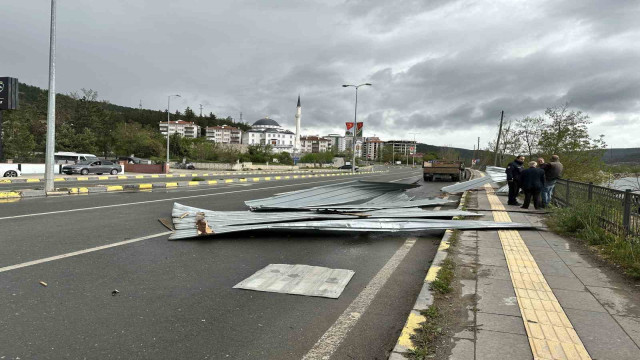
[{"x": 444, "y": 69}]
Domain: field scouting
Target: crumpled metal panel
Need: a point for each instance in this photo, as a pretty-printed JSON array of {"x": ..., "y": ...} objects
[
  {"x": 333, "y": 194},
  {"x": 388, "y": 205},
  {"x": 494, "y": 175}
]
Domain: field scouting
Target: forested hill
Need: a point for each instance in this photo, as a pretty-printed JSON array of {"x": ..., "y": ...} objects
[{"x": 622, "y": 155}]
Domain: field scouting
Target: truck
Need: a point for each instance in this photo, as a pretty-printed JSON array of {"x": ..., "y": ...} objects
[{"x": 442, "y": 169}]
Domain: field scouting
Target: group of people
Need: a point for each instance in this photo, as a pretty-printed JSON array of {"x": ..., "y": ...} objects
[{"x": 537, "y": 182}]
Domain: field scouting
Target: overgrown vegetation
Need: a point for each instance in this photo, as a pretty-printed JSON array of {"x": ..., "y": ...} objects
[
  {"x": 581, "y": 221},
  {"x": 427, "y": 334}
]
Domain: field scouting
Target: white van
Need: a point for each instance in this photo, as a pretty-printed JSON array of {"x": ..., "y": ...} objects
[{"x": 72, "y": 158}]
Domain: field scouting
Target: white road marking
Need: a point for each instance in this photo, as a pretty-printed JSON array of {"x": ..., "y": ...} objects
[
  {"x": 80, "y": 252},
  {"x": 169, "y": 199},
  {"x": 329, "y": 342}
]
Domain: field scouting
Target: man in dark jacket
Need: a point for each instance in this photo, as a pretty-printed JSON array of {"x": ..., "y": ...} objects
[
  {"x": 552, "y": 172},
  {"x": 514, "y": 169},
  {"x": 532, "y": 181}
]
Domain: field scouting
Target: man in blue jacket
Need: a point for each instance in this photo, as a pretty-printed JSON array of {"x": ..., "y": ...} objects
[
  {"x": 514, "y": 169},
  {"x": 532, "y": 181}
]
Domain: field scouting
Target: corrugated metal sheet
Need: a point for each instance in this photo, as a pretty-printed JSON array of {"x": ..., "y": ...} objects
[
  {"x": 494, "y": 175},
  {"x": 298, "y": 280},
  {"x": 334, "y": 194}
]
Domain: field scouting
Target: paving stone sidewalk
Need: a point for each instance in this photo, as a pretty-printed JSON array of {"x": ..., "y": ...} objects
[{"x": 602, "y": 306}]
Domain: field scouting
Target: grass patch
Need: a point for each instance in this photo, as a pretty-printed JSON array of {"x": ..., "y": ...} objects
[
  {"x": 453, "y": 239},
  {"x": 582, "y": 222},
  {"x": 427, "y": 334},
  {"x": 442, "y": 283},
  {"x": 197, "y": 179}
]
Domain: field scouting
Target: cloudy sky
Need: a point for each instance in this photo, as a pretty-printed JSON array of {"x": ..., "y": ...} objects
[{"x": 440, "y": 69}]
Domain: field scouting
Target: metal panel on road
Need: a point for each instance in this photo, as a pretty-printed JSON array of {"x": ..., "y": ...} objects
[{"x": 298, "y": 280}]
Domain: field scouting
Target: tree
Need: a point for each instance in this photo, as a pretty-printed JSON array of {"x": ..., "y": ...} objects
[
  {"x": 530, "y": 130},
  {"x": 19, "y": 143},
  {"x": 565, "y": 133}
]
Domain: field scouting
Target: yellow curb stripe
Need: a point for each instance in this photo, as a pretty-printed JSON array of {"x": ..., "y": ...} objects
[
  {"x": 183, "y": 175},
  {"x": 278, "y": 177},
  {"x": 243, "y": 180},
  {"x": 169, "y": 175},
  {"x": 123, "y": 177},
  {"x": 256, "y": 179},
  {"x": 432, "y": 274},
  {"x": 139, "y": 176},
  {"x": 114, "y": 188},
  {"x": 146, "y": 186},
  {"x": 550, "y": 333},
  {"x": 59, "y": 179},
  {"x": 33, "y": 180},
  {"x": 212, "y": 182},
  {"x": 82, "y": 178},
  {"x": 228, "y": 180},
  {"x": 194, "y": 183},
  {"x": 413, "y": 322},
  {"x": 103, "y": 178},
  {"x": 172, "y": 184},
  {"x": 9, "y": 194},
  {"x": 155, "y": 176},
  {"x": 267, "y": 178}
]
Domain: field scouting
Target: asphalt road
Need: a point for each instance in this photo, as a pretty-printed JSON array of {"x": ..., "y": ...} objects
[{"x": 176, "y": 298}]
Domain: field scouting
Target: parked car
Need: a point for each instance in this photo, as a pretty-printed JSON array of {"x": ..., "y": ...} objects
[
  {"x": 92, "y": 167},
  {"x": 9, "y": 172},
  {"x": 347, "y": 167},
  {"x": 64, "y": 157},
  {"x": 134, "y": 160},
  {"x": 188, "y": 166}
]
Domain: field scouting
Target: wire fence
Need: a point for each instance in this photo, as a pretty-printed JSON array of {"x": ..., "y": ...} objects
[{"x": 619, "y": 211}]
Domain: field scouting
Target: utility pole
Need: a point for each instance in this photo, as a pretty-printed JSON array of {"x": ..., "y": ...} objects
[
  {"x": 495, "y": 160},
  {"x": 241, "y": 117},
  {"x": 393, "y": 153},
  {"x": 415, "y": 149},
  {"x": 406, "y": 151},
  {"x": 200, "y": 110},
  {"x": 51, "y": 107}
]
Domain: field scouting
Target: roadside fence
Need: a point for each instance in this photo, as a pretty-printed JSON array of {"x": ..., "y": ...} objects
[{"x": 619, "y": 211}]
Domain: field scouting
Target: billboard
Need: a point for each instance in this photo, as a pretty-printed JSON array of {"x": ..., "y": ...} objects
[{"x": 8, "y": 93}]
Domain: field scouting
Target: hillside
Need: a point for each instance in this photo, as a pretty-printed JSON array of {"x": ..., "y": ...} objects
[{"x": 622, "y": 155}]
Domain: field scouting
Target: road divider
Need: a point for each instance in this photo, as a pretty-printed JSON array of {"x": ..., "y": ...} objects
[
  {"x": 155, "y": 176},
  {"x": 160, "y": 185}
]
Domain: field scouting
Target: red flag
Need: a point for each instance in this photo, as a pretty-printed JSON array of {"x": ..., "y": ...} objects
[
  {"x": 359, "y": 125},
  {"x": 349, "y": 125}
]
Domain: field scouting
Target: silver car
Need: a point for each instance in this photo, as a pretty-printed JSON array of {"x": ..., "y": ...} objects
[{"x": 92, "y": 167}]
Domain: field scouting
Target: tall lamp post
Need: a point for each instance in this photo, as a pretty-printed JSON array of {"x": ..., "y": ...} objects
[
  {"x": 355, "y": 124},
  {"x": 51, "y": 108},
  {"x": 169, "y": 122},
  {"x": 415, "y": 149}
]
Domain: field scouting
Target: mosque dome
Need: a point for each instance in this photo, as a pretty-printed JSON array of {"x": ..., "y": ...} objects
[{"x": 266, "y": 122}]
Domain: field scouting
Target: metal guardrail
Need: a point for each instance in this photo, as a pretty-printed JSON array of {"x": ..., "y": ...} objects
[{"x": 619, "y": 211}]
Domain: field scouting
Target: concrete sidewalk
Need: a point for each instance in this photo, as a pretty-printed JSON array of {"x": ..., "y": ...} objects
[{"x": 598, "y": 310}]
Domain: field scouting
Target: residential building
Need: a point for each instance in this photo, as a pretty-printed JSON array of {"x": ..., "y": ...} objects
[
  {"x": 313, "y": 144},
  {"x": 403, "y": 146},
  {"x": 184, "y": 128},
  {"x": 224, "y": 134},
  {"x": 336, "y": 142},
  {"x": 373, "y": 148},
  {"x": 268, "y": 132}
]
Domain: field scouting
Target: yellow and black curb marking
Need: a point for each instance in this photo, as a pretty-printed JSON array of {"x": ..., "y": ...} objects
[
  {"x": 160, "y": 185},
  {"x": 425, "y": 298},
  {"x": 156, "y": 176}
]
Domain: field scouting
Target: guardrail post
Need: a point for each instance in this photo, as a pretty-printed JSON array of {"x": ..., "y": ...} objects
[
  {"x": 626, "y": 215},
  {"x": 566, "y": 199},
  {"x": 590, "y": 196}
]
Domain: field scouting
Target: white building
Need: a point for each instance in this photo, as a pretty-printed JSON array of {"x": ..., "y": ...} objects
[
  {"x": 403, "y": 146},
  {"x": 224, "y": 134},
  {"x": 313, "y": 144},
  {"x": 336, "y": 142},
  {"x": 184, "y": 128},
  {"x": 268, "y": 132},
  {"x": 373, "y": 148}
]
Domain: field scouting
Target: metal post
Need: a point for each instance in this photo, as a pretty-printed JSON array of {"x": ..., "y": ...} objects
[
  {"x": 355, "y": 131},
  {"x": 1, "y": 143},
  {"x": 393, "y": 153},
  {"x": 590, "y": 192},
  {"x": 406, "y": 152},
  {"x": 495, "y": 160},
  {"x": 626, "y": 215},
  {"x": 566, "y": 199},
  {"x": 51, "y": 107},
  {"x": 168, "y": 125}
]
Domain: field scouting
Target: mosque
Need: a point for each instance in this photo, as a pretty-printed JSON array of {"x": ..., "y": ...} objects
[{"x": 268, "y": 132}]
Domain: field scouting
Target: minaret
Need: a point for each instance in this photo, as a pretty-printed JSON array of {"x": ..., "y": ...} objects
[{"x": 296, "y": 147}]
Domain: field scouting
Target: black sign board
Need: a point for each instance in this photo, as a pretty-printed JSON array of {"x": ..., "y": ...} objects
[{"x": 8, "y": 93}]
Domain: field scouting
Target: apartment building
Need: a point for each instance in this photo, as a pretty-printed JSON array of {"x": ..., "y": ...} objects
[
  {"x": 224, "y": 134},
  {"x": 184, "y": 128},
  {"x": 313, "y": 144}
]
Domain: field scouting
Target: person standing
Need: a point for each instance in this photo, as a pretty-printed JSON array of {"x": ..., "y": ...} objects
[
  {"x": 552, "y": 172},
  {"x": 514, "y": 169},
  {"x": 532, "y": 181}
]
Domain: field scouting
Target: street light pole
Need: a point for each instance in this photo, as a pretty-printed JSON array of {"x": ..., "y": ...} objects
[
  {"x": 355, "y": 125},
  {"x": 169, "y": 122},
  {"x": 415, "y": 150},
  {"x": 51, "y": 107}
]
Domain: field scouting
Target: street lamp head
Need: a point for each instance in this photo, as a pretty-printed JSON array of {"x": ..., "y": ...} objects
[
  {"x": 368, "y": 84},
  {"x": 346, "y": 85}
]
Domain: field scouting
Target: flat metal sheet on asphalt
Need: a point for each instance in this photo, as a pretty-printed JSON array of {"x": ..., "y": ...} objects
[{"x": 298, "y": 280}]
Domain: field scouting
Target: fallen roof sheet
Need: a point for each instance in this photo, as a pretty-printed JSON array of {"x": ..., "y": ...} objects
[
  {"x": 298, "y": 280},
  {"x": 334, "y": 194},
  {"x": 494, "y": 175}
]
